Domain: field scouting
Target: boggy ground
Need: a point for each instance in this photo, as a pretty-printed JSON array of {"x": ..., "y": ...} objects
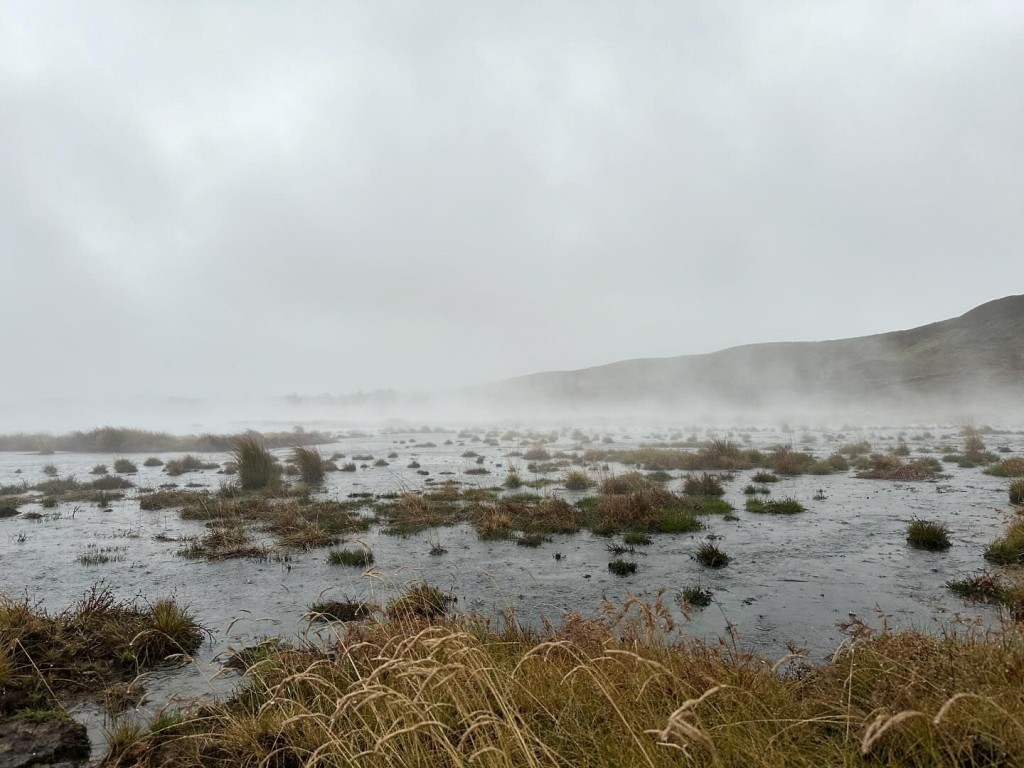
[
  {"x": 95, "y": 648},
  {"x": 534, "y": 521},
  {"x": 432, "y": 689}
]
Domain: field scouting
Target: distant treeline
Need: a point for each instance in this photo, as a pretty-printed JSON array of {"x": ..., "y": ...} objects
[{"x": 125, "y": 440}]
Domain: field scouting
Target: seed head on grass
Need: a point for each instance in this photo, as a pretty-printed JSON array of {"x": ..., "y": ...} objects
[
  {"x": 256, "y": 467},
  {"x": 923, "y": 534}
]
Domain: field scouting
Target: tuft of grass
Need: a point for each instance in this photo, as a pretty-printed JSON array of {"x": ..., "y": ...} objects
[
  {"x": 420, "y": 601},
  {"x": 982, "y": 587},
  {"x": 924, "y": 534},
  {"x": 339, "y": 610},
  {"x": 50, "y": 470},
  {"x": 695, "y": 597},
  {"x": 532, "y": 540},
  {"x": 355, "y": 557},
  {"x": 577, "y": 480},
  {"x": 256, "y": 467},
  {"x": 309, "y": 463},
  {"x": 703, "y": 485},
  {"x": 1016, "y": 491},
  {"x": 1007, "y": 468},
  {"x": 765, "y": 477},
  {"x": 610, "y": 690},
  {"x": 125, "y": 466},
  {"x": 1008, "y": 549},
  {"x": 622, "y": 567},
  {"x": 709, "y": 554},
  {"x": 637, "y": 538},
  {"x": 786, "y": 506},
  {"x": 99, "y": 469},
  {"x": 152, "y": 461}
]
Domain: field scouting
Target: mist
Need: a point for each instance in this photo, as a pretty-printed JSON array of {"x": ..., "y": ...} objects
[{"x": 207, "y": 208}]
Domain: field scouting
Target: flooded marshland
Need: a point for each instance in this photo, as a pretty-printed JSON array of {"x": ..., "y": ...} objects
[{"x": 790, "y": 581}]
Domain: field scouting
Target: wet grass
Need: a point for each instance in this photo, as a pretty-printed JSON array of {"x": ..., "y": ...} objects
[
  {"x": 339, "y": 610},
  {"x": 420, "y": 601},
  {"x": 615, "y": 690},
  {"x": 894, "y": 468},
  {"x": 709, "y": 554},
  {"x": 765, "y": 477},
  {"x": 256, "y": 467},
  {"x": 310, "y": 464},
  {"x": 622, "y": 567},
  {"x": 46, "y": 658},
  {"x": 1016, "y": 491},
  {"x": 704, "y": 484},
  {"x": 186, "y": 464},
  {"x": 1008, "y": 549},
  {"x": 925, "y": 534},
  {"x": 785, "y": 506},
  {"x": 577, "y": 480},
  {"x": 125, "y": 466},
  {"x": 695, "y": 597},
  {"x": 356, "y": 557},
  {"x": 1007, "y": 468}
]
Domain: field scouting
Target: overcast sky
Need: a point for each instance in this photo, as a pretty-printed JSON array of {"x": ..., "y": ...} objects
[{"x": 205, "y": 197}]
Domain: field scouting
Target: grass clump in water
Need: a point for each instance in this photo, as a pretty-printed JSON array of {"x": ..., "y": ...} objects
[
  {"x": 924, "y": 534},
  {"x": 94, "y": 643},
  {"x": 152, "y": 461},
  {"x": 355, "y": 557},
  {"x": 695, "y": 597},
  {"x": 709, "y": 554},
  {"x": 1007, "y": 468},
  {"x": 786, "y": 506},
  {"x": 1008, "y": 549},
  {"x": 577, "y": 480},
  {"x": 339, "y": 610},
  {"x": 622, "y": 567},
  {"x": 420, "y": 601},
  {"x": 419, "y": 695},
  {"x": 99, "y": 469},
  {"x": 125, "y": 466},
  {"x": 765, "y": 477},
  {"x": 256, "y": 466},
  {"x": 309, "y": 463},
  {"x": 704, "y": 484}
]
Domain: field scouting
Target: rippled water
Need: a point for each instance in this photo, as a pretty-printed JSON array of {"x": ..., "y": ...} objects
[{"x": 791, "y": 579}]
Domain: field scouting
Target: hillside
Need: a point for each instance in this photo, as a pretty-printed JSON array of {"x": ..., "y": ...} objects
[{"x": 977, "y": 357}]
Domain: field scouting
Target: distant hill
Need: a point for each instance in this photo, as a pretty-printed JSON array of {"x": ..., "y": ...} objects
[{"x": 977, "y": 358}]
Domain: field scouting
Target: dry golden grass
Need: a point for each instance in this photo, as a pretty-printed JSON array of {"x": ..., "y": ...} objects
[{"x": 612, "y": 691}]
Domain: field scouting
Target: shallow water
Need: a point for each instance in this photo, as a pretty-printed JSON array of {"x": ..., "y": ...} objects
[{"x": 791, "y": 578}]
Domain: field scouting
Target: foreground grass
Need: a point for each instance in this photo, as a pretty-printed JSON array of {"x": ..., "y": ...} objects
[
  {"x": 617, "y": 690},
  {"x": 46, "y": 658}
]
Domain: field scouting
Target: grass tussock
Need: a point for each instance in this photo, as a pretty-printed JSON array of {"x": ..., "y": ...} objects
[
  {"x": 925, "y": 534},
  {"x": 620, "y": 689},
  {"x": 99, "y": 640},
  {"x": 1008, "y": 549},
  {"x": 256, "y": 466},
  {"x": 187, "y": 463},
  {"x": 125, "y": 466},
  {"x": 339, "y": 610},
  {"x": 356, "y": 557},
  {"x": 711, "y": 555},
  {"x": 1016, "y": 491},
  {"x": 577, "y": 480},
  {"x": 894, "y": 468},
  {"x": 785, "y": 506},
  {"x": 1007, "y": 468},
  {"x": 309, "y": 463}
]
